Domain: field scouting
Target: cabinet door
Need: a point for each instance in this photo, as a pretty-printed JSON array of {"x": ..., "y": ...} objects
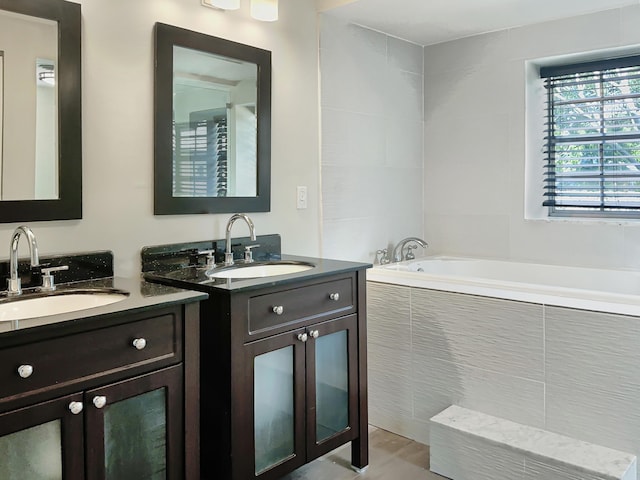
[
  {"x": 332, "y": 385},
  {"x": 275, "y": 432},
  {"x": 135, "y": 428},
  {"x": 43, "y": 441}
]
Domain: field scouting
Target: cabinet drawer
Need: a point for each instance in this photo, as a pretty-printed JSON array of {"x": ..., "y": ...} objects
[
  {"x": 318, "y": 301},
  {"x": 76, "y": 357}
]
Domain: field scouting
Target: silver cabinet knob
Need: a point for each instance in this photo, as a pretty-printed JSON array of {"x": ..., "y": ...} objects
[
  {"x": 334, "y": 296},
  {"x": 99, "y": 401},
  {"x": 139, "y": 343},
  {"x": 25, "y": 371},
  {"x": 75, "y": 407},
  {"x": 314, "y": 333},
  {"x": 278, "y": 310},
  {"x": 303, "y": 337}
]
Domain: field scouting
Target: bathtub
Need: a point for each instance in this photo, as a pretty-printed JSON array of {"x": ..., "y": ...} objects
[{"x": 606, "y": 290}]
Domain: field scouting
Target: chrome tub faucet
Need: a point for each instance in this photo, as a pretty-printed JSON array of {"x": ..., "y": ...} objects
[{"x": 398, "y": 251}]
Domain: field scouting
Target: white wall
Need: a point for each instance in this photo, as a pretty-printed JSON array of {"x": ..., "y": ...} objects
[
  {"x": 475, "y": 144},
  {"x": 117, "y": 109},
  {"x": 372, "y": 159}
]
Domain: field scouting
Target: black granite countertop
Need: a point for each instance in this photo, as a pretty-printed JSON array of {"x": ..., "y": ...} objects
[
  {"x": 142, "y": 295},
  {"x": 195, "y": 277}
]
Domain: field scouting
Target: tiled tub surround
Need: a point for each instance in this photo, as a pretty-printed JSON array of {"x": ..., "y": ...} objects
[{"x": 570, "y": 371}]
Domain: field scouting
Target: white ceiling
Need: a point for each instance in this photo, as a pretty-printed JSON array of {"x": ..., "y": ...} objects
[{"x": 426, "y": 22}]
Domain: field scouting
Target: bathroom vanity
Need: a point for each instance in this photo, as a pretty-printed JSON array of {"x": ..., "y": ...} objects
[
  {"x": 283, "y": 361},
  {"x": 103, "y": 393}
]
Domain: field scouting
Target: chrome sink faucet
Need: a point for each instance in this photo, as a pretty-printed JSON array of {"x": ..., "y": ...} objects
[
  {"x": 228, "y": 254},
  {"x": 14, "y": 284},
  {"x": 398, "y": 251}
]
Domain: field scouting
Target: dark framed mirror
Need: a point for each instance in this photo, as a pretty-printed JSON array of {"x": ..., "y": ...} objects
[
  {"x": 40, "y": 110},
  {"x": 212, "y": 132}
]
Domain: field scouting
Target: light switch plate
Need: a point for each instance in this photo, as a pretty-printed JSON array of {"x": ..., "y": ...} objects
[{"x": 301, "y": 197}]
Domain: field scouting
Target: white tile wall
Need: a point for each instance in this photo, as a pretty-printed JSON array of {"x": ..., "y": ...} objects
[
  {"x": 389, "y": 353},
  {"x": 593, "y": 379},
  {"x": 476, "y": 119},
  {"x": 496, "y": 335},
  {"x": 439, "y": 384},
  {"x": 371, "y": 140},
  {"x": 469, "y": 151}
]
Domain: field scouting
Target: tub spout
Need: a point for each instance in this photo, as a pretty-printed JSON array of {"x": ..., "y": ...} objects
[{"x": 398, "y": 251}]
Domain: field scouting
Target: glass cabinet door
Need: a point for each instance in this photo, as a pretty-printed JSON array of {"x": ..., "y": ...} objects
[
  {"x": 43, "y": 441},
  {"x": 134, "y": 428},
  {"x": 331, "y": 375},
  {"x": 299, "y": 402},
  {"x": 275, "y": 402},
  {"x": 274, "y": 420},
  {"x": 332, "y": 384}
]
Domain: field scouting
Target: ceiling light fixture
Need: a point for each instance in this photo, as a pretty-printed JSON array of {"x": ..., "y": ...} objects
[
  {"x": 265, "y": 10},
  {"x": 222, "y": 4}
]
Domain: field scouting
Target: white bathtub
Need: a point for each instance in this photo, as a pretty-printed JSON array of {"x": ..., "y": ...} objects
[{"x": 614, "y": 291}]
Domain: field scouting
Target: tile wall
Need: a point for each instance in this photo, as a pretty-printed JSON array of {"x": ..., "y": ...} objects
[{"x": 371, "y": 139}]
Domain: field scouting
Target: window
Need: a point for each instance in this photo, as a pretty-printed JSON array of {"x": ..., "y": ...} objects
[
  {"x": 200, "y": 155},
  {"x": 592, "y": 138}
]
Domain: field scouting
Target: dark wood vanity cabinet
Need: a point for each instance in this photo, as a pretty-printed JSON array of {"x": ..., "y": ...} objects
[
  {"x": 283, "y": 376},
  {"x": 102, "y": 399}
]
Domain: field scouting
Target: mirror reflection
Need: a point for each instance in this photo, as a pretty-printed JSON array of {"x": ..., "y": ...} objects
[
  {"x": 215, "y": 125},
  {"x": 29, "y": 129}
]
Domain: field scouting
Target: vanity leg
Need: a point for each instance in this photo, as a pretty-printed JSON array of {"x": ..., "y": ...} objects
[
  {"x": 360, "y": 446},
  {"x": 360, "y": 454}
]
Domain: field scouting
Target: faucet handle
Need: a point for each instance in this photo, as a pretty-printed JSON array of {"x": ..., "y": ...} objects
[
  {"x": 48, "y": 282},
  {"x": 248, "y": 253},
  {"x": 211, "y": 259},
  {"x": 384, "y": 258},
  {"x": 410, "y": 255}
]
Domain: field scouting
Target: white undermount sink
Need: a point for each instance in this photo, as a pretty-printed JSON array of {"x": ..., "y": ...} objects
[
  {"x": 259, "y": 270},
  {"x": 33, "y": 306}
]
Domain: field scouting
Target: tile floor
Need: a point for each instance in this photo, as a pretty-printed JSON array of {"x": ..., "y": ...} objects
[{"x": 391, "y": 457}]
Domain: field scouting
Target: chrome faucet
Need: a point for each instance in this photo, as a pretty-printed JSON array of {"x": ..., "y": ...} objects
[
  {"x": 14, "y": 284},
  {"x": 398, "y": 255},
  {"x": 228, "y": 254}
]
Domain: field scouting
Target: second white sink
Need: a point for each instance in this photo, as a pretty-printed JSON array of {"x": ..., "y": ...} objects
[{"x": 261, "y": 270}]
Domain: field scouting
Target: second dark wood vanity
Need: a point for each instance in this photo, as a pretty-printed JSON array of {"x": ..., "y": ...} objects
[{"x": 282, "y": 370}]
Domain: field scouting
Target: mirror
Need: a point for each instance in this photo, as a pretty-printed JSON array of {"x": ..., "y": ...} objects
[
  {"x": 212, "y": 124},
  {"x": 40, "y": 110}
]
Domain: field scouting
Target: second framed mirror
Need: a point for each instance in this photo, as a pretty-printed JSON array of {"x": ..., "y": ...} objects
[{"x": 212, "y": 124}]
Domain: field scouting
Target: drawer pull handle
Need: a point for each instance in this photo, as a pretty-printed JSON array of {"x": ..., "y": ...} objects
[
  {"x": 99, "y": 401},
  {"x": 334, "y": 296},
  {"x": 75, "y": 407},
  {"x": 303, "y": 337},
  {"x": 278, "y": 309},
  {"x": 314, "y": 333},
  {"x": 139, "y": 343},
  {"x": 25, "y": 371}
]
